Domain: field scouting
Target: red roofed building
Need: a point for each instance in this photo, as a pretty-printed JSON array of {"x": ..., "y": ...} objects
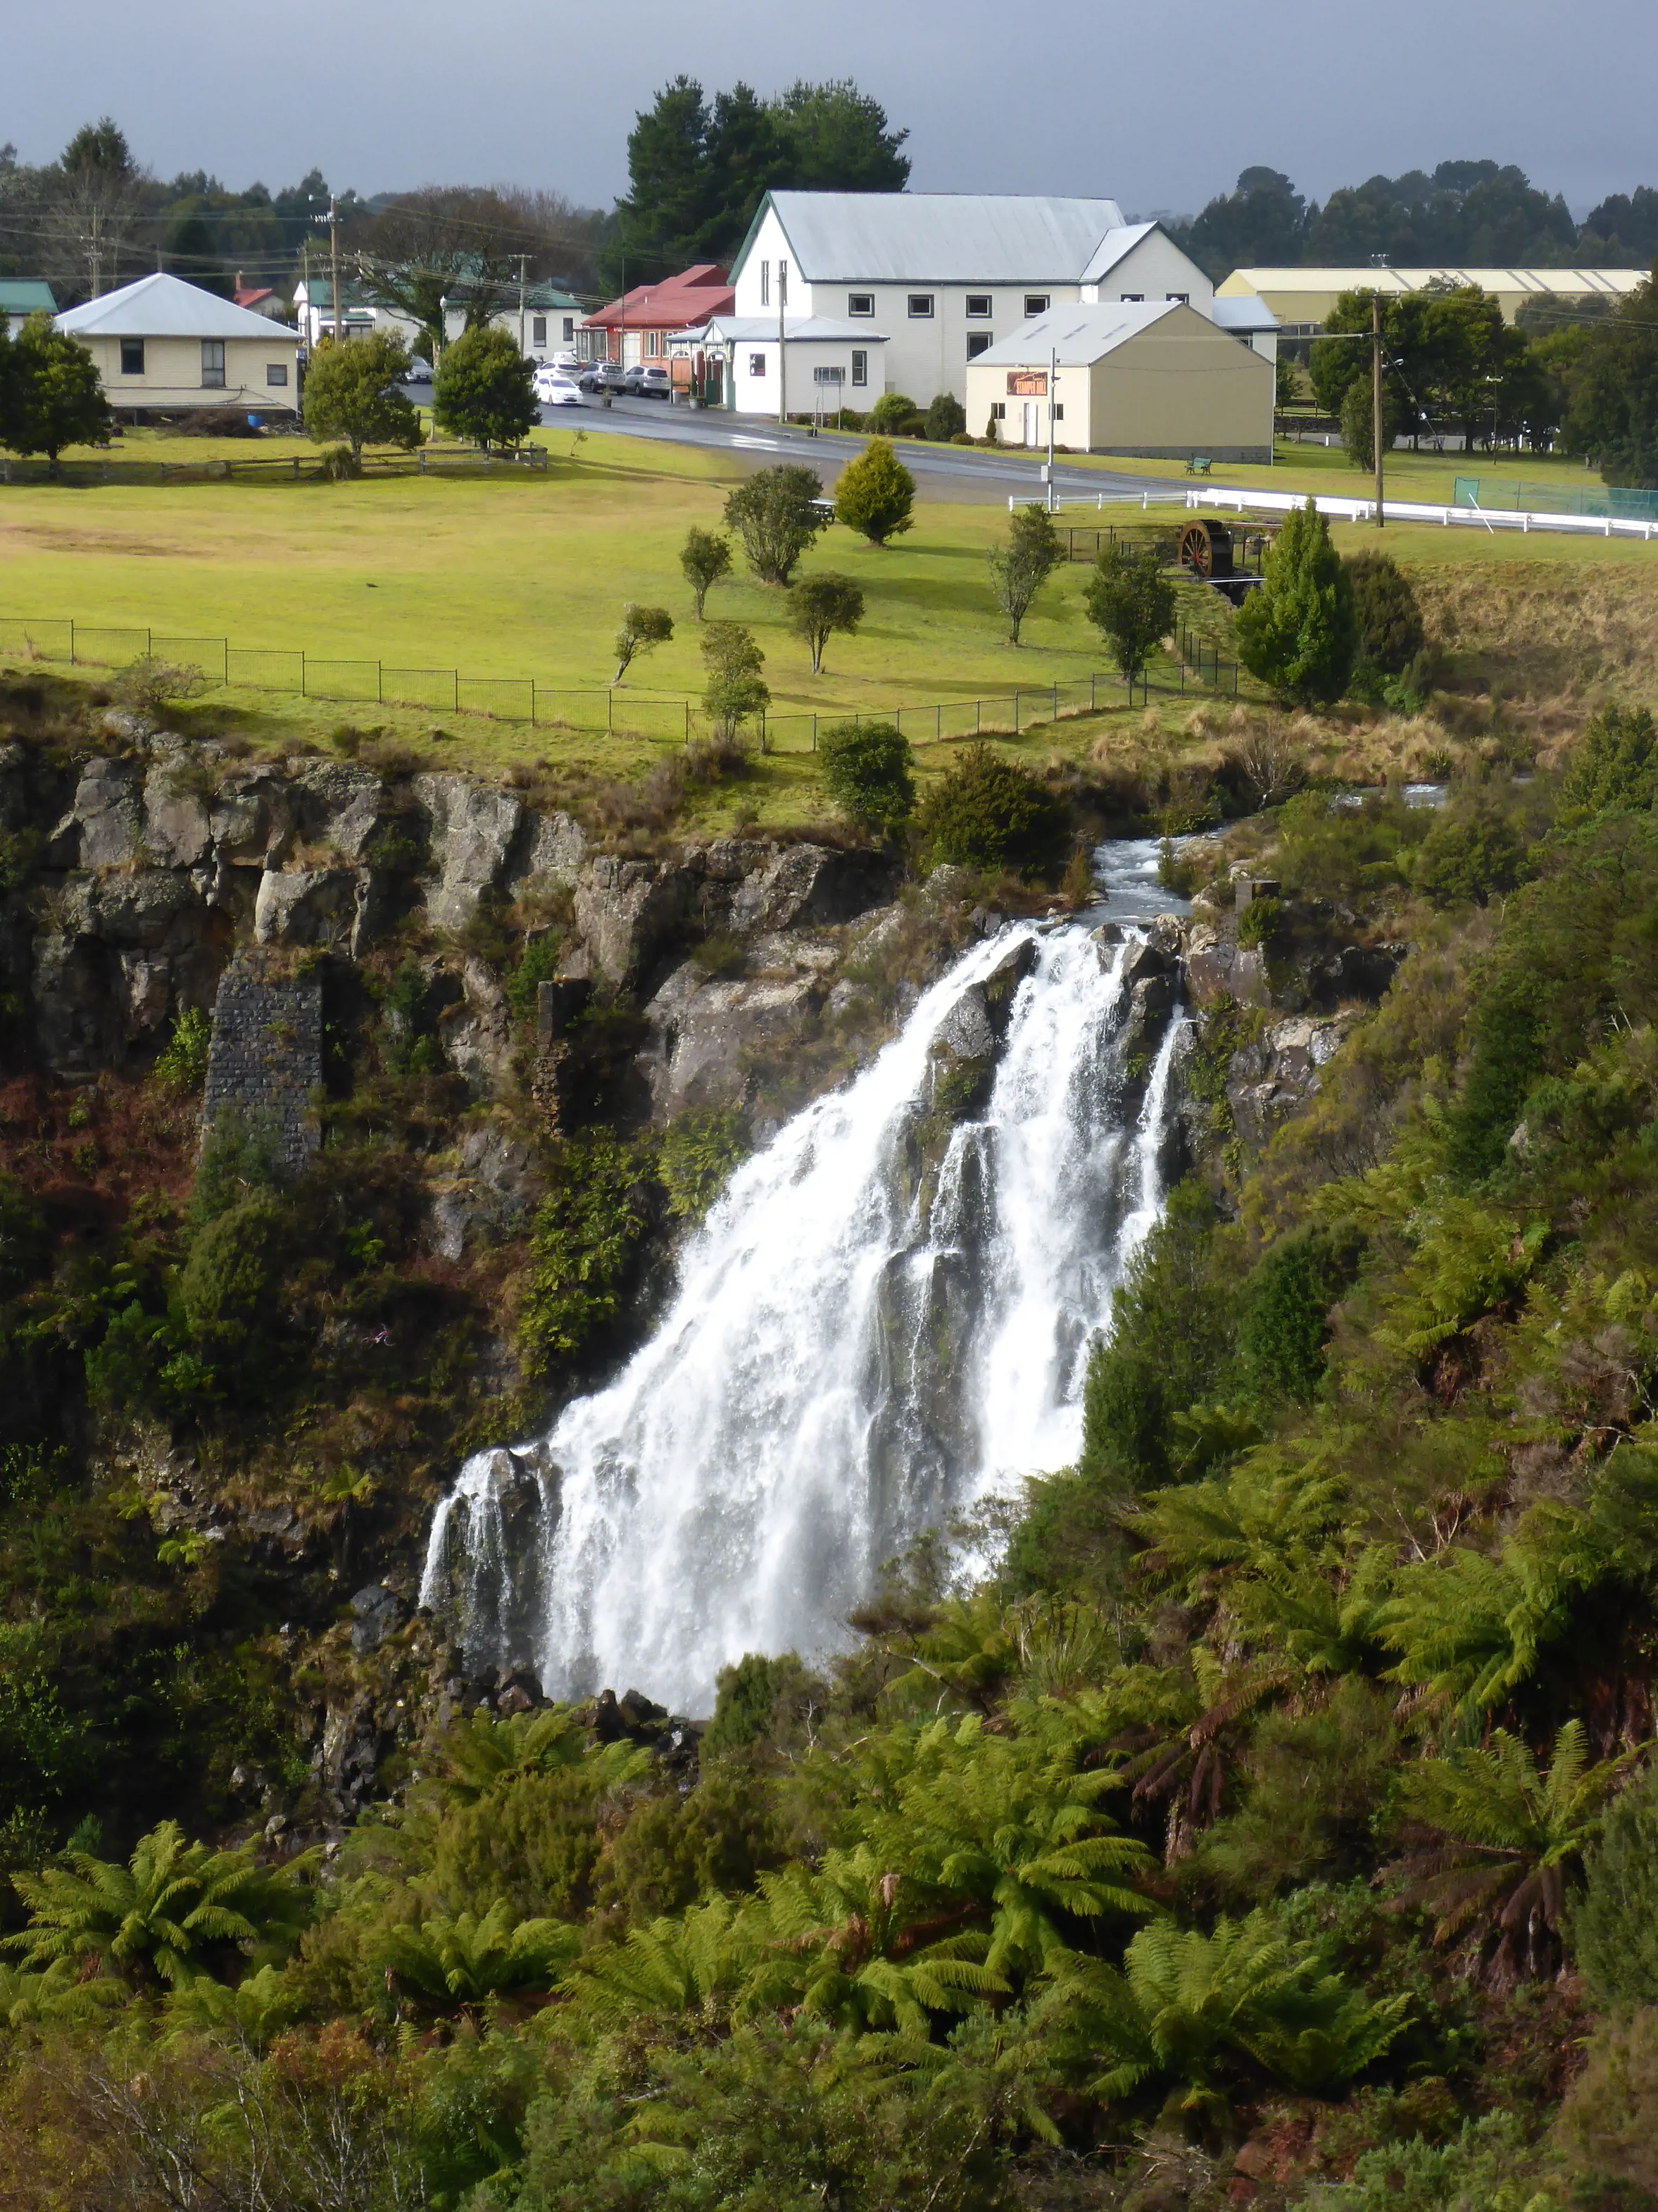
[{"x": 637, "y": 326}]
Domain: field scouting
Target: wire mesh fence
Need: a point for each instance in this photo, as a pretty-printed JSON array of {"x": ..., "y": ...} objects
[
  {"x": 1540, "y": 497},
  {"x": 615, "y": 711}
]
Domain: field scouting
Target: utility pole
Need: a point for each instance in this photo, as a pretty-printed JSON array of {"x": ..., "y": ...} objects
[
  {"x": 1376, "y": 397},
  {"x": 523, "y": 266},
  {"x": 1052, "y": 379},
  {"x": 783, "y": 373},
  {"x": 334, "y": 259}
]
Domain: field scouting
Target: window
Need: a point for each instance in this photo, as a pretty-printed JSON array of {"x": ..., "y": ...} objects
[
  {"x": 1130, "y": 298},
  {"x": 765, "y": 284},
  {"x": 1035, "y": 303},
  {"x": 756, "y": 364},
  {"x": 1183, "y": 298},
  {"x": 570, "y": 330},
  {"x": 978, "y": 307},
  {"x": 537, "y": 329},
  {"x": 213, "y": 364},
  {"x": 859, "y": 367},
  {"x": 860, "y": 303},
  {"x": 652, "y": 344},
  {"x": 976, "y": 342},
  {"x": 783, "y": 283},
  {"x": 921, "y": 306},
  {"x": 998, "y": 410},
  {"x": 1059, "y": 411},
  {"x": 276, "y": 374},
  {"x": 132, "y": 357}
]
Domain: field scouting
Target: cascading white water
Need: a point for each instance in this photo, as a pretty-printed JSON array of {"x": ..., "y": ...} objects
[{"x": 885, "y": 1319}]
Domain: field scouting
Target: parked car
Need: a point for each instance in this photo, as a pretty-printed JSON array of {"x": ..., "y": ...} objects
[
  {"x": 602, "y": 376},
  {"x": 630, "y": 377},
  {"x": 568, "y": 360},
  {"x": 420, "y": 371},
  {"x": 655, "y": 382},
  {"x": 553, "y": 391}
]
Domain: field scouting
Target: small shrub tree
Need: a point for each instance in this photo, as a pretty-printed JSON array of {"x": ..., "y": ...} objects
[
  {"x": 946, "y": 418},
  {"x": 1020, "y": 569},
  {"x": 891, "y": 412},
  {"x": 146, "y": 684},
  {"x": 643, "y": 628},
  {"x": 353, "y": 393},
  {"x": 866, "y": 768},
  {"x": 484, "y": 389},
  {"x": 774, "y": 515},
  {"x": 1390, "y": 629},
  {"x": 988, "y": 812},
  {"x": 182, "y": 1062},
  {"x": 818, "y": 607},
  {"x": 50, "y": 394},
  {"x": 1299, "y": 632},
  {"x": 1131, "y": 603},
  {"x": 705, "y": 560},
  {"x": 1616, "y": 764},
  {"x": 1614, "y": 1925},
  {"x": 876, "y": 493},
  {"x": 735, "y": 689}
]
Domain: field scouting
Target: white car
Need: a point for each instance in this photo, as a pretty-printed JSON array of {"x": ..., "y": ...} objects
[
  {"x": 567, "y": 361},
  {"x": 553, "y": 388}
]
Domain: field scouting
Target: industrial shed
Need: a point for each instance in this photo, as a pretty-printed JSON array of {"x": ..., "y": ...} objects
[{"x": 1152, "y": 377}]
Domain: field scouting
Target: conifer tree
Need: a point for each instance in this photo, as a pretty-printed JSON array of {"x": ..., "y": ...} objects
[{"x": 1299, "y": 632}]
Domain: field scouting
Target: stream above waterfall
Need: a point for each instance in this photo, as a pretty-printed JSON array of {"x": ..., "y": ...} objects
[{"x": 884, "y": 1322}]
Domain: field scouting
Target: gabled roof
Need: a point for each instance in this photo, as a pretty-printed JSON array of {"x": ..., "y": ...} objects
[
  {"x": 940, "y": 238},
  {"x": 1081, "y": 334},
  {"x": 1248, "y": 314},
  {"x": 1566, "y": 283},
  {"x": 25, "y": 296},
  {"x": 162, "y": 307},
  {"x": 251, "y": 298},
  {"x": 1114, "y": 247},
  {"x": 690, "y": 297}
]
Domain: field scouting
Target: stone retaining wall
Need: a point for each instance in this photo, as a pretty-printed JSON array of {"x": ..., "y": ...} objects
[{"x": 266, "y": 1058}]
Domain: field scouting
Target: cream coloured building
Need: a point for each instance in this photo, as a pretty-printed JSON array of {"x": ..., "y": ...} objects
[
  {"x": 1156, "y": 377},
  {"x": 1302, "y": 298},
  {"x": 163, "y": 347}
]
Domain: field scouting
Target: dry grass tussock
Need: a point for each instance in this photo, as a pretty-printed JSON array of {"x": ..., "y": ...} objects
[{"x": 1558, "y": 641}]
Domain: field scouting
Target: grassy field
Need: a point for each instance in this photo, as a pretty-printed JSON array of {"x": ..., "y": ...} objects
[{"x": 526, "y": 576}]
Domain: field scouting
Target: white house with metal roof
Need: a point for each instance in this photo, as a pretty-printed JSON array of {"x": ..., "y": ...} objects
[
  {"x": 1154, "y": 377},
  {"x": 163, "y": 347},
  {"x": 934, "y": 279},
  {"x": 22, "y": 297}
]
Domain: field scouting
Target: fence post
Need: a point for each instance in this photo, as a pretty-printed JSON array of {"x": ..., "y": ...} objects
[
  {"x": 609, "y": 715},
  {"x": 978, "y": 715},
  {"x": 379, "y": 687},
  {"x": 71, "y": 640},
  {"x": 937, "y": 725},
  {"x": 688, "y": 727},
  {"x": 302, "y": 692},
  {"x": 1054, "y": 710},
  {"x": 814, "y": 733}
]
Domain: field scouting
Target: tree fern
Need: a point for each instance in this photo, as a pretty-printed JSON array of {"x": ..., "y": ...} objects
[
  {"x": 465, "y": 1960},
  {"x": 1496, "y": 1843}
]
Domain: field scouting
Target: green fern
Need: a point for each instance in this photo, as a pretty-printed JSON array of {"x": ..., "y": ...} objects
[{"x": 463, "y": 1961}]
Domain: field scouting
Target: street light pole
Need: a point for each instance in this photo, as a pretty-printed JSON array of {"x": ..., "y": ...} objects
[
  {"x": 1052, "y": 379},
  {"x": 1375, "y": 398}
]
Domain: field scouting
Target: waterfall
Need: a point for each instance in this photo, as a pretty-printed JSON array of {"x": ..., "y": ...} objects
[{"x": 883, "y": 1320}]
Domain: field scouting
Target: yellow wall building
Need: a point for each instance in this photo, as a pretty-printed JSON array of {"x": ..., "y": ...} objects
[
  {"x": 1153, "y": 378},
  {"x": 1302, "y": 298},
  {"x": 164, "y": 347}
]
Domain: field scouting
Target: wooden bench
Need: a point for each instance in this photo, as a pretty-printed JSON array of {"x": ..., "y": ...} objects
[{"x": 1198, "y": 466}]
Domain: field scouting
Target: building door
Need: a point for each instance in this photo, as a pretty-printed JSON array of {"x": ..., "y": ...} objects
[{"x": 1032, "y": 422}]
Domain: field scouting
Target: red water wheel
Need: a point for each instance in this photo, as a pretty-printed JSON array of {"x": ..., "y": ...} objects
[{"x": 1205, "y": 548}]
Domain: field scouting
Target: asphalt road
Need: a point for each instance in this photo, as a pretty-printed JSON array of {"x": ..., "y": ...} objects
[{"x": 951, "y": 472}]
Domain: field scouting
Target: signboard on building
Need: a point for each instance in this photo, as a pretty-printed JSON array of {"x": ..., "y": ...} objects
[{"x": 1027, "y": 384}]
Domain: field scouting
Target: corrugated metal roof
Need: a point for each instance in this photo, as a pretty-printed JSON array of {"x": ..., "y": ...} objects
[
  {"x": 1113, "y": 246},
  {"x": 1078, "y": 334},
  {"x": 1242, "y": 314},
  {"x": 746, "y": 329},
  {"x": 25, "y": 296},
  {"x": 942, "y": 237},
  {"x": 1570, "y": 284},
  {"x": 162, "y": 307}
]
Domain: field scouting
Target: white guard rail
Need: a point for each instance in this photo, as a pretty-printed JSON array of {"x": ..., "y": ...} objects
[{"x": 1356, "y": 510}]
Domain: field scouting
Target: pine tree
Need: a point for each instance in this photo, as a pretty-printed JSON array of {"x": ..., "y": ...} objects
[
  {"x": 876, "y": 493},
  {"x": 1299, "y": 632}
]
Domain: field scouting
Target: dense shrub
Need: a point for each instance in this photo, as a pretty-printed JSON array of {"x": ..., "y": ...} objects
[
  {"x": 1390, "y": 628},
  {"x": 946, "y": 418},
  {"x": 1130, "y": 602},
  {"x": 228, "y": 1285},
  {"x": 1470, "y": 856},
  {"x": 354, "y": 393},
  {"x": 483, "y": 389},
  {"x": 1284, "y": 1311},
  {"x": 866, "y": 770},
  {"x": 890, "y": 411},
  {"x": 1614, "y": 1926},
  {"x": 1615, "y": 764},
  {"x": 988, "y": 812},
  {"x": 584, "y": 1247}
]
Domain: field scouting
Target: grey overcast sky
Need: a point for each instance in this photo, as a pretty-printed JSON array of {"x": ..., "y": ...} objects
[{"x": 1158, "y": 106}]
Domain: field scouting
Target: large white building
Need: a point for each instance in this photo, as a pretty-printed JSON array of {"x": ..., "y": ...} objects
[{"x": 899, "y": 291}]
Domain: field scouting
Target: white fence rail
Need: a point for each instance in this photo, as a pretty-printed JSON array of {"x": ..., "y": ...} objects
[{"x": 1524, "y": 520}]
